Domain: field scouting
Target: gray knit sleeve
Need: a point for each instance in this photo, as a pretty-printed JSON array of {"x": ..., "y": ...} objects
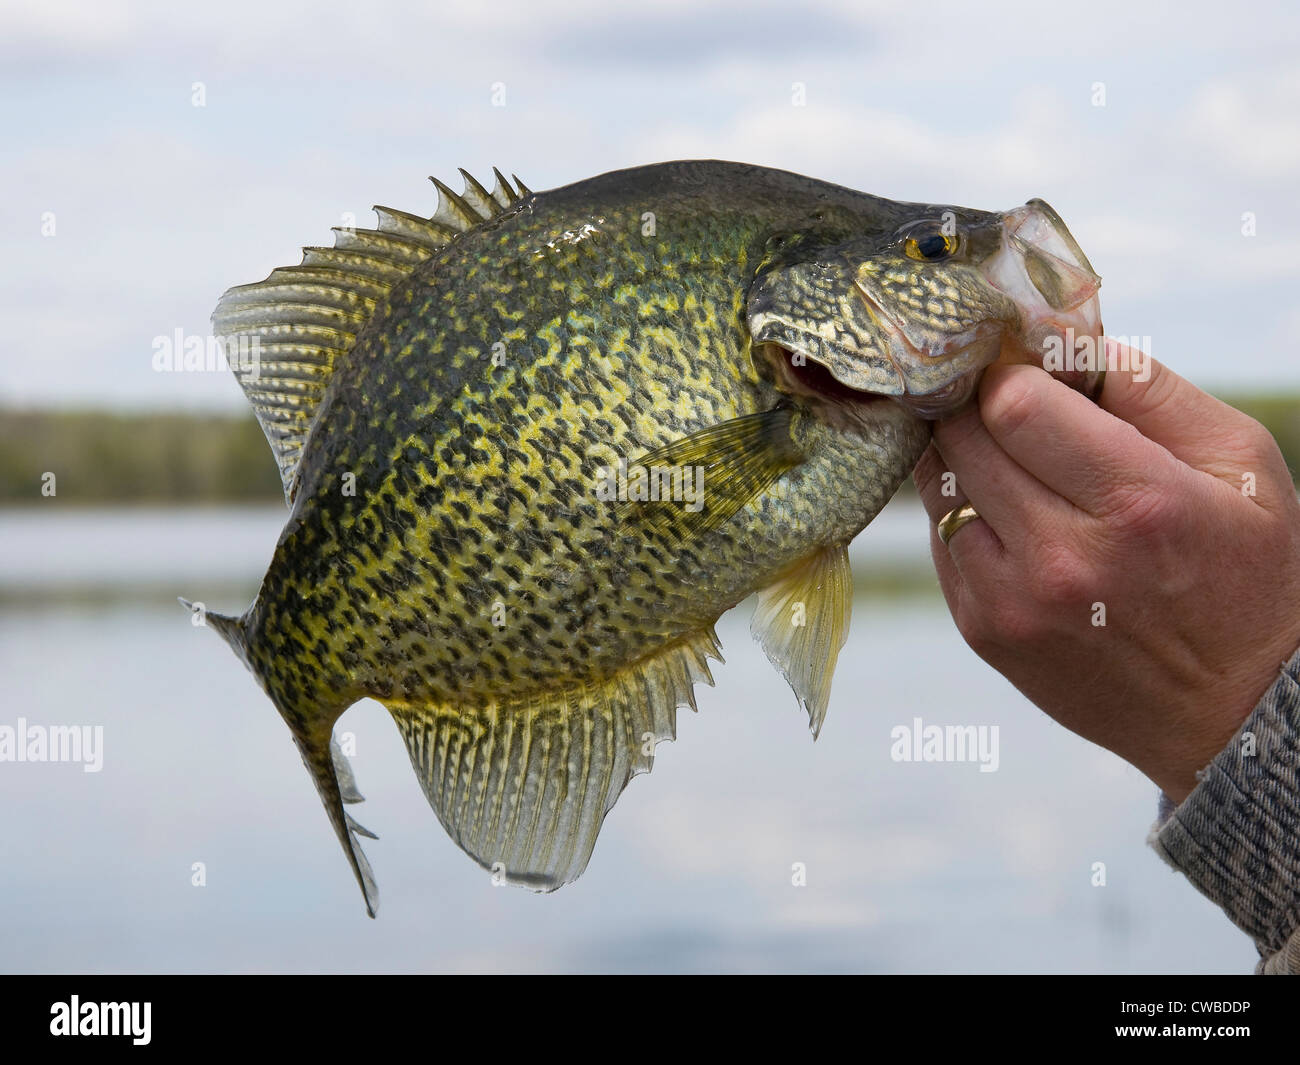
[{"x": 1236, "y": 837}]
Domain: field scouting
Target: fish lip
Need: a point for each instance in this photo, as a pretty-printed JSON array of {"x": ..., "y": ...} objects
[
  {"x": 931, "y": 403},
  {"x": 1015, "y": 238},
  {"x": 951, "y": 392},
  {"x": 1058, "y": 308},
  {"x": 897, "y": 338},
  {"x": 1063, "y": 231}
]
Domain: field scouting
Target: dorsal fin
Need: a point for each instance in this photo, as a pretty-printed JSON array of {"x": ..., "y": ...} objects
[{"x": 284, "y": 335}]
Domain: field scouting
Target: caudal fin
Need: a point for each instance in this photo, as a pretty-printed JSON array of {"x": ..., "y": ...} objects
[{"x": 228, "y": 628}]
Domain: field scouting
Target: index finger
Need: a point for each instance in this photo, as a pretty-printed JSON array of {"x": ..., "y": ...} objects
[{"x": 1092, "y": 458}]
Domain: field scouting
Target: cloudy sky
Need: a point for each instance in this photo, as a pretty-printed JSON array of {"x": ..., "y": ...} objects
[{"x": 1153, "y": 128}]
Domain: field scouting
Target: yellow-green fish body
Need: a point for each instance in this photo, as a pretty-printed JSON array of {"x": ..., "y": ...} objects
[{"x": 536, "y": 445}]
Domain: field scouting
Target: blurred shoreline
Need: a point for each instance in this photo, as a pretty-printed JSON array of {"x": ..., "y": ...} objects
[
  {"x": 58, "y": 556},
  {"x": 103, "y": 458},
  {"x": 182, "y": 459}
]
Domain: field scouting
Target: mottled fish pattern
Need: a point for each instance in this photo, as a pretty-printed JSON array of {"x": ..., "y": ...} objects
[{"x": 446, "y": 397}]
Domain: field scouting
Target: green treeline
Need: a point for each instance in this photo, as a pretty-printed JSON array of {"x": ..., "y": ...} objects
[{"x": 100, "y": 458}]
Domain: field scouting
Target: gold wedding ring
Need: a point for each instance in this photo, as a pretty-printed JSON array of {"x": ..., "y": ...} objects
[{"x": 955, "y": 519}]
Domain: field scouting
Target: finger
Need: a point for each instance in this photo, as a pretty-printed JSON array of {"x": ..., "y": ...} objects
[
  {"x": 933, "y": 481},
  {"x": 1079, "y": 451},
  {"x": 978, "y": 549},
  {"x": 1204, "y": 432},
  {"x": 1008, "y": 498},
  {"x": 936, "y": 484}
]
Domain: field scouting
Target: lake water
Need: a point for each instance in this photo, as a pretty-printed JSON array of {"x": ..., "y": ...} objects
[{"x": 910, "y": 867}]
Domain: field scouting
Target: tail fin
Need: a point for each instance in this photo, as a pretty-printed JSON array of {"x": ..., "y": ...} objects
[
  {"x": 229, "y": 629},
  {"x": 321, "y": 754}
]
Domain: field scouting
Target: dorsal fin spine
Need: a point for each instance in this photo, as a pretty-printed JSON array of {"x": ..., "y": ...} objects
[
  {"x": 453, "y": 208},
  {"x": 484, "y": 198},
  {"x": 501, "y": 191},
  {"x": 314, "y": 310}
]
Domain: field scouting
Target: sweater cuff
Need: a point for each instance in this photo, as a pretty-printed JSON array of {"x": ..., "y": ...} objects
[{"x": 1236, "y": 837}]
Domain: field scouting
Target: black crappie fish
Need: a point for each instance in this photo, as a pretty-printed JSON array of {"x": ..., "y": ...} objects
[{"x": 536, "y": 445}]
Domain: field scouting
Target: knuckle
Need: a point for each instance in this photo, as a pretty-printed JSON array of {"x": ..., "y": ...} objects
[
  {"x": 1013, "y": 404},
  {"x": 1060, "y": 576},
  {"x": 1158, "y": 391},
  {"x": 977, "y": 634},
  {"x": 1260, "y": 443},
  {"x": 968, "y": 622},
  {"x": 1143, "y": 513},
  {"x": 1005, "y": 623},
  {"x": 985, "y": 644}
]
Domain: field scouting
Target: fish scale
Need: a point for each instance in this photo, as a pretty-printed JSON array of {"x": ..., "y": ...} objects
[{"x": 446, "y": 400}]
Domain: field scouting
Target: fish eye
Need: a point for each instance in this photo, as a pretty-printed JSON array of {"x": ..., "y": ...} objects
[{"x": 931, "y": 247}]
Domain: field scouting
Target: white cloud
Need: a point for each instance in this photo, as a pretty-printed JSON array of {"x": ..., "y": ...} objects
[
  {"x": 1250, "y": 125},
  {"x": 891, "y": 153},
  {"x": 318, "y": 109}
]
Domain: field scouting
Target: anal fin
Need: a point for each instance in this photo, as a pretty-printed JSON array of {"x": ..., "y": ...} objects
[
  {"x": 802, "y": 621},
  {"x": 524, "y": 786}
]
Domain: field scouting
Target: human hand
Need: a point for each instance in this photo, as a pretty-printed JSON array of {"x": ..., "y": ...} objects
[{"x": 1122, "y": 577}]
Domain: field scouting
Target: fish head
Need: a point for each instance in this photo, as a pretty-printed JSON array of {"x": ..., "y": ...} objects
[{"x": 916, "y": 309}]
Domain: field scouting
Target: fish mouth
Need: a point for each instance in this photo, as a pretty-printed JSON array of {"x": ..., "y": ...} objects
[
  {"x": 1030, "y": 298},
  {"x": 930, "y": 380},
  {"x": 1045, "y": 273},
  {"x": 802, "y": 375}
]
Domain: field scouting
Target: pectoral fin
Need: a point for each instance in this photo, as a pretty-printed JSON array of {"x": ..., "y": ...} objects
[
  {"x": 728, "y": 465},
  {"x": 802, "y": 621}
]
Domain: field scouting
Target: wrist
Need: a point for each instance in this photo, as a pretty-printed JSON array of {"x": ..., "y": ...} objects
[{"x": 1233, "y": 834}]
